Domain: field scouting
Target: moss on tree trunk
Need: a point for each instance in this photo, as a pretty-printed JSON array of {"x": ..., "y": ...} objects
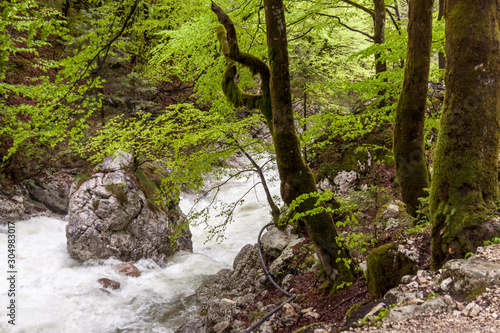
[
  {"x": 275, "y": 102},
  {"x": 409, "y": 149},
  {"x": 464, "y": 188},
  {"x": 296, "y": 177}
]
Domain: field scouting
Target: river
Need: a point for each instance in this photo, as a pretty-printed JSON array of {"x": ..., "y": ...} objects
[{"x": 55, "y": 293}]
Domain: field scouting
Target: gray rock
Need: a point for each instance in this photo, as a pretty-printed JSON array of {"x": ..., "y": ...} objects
[
  {"x": 119, "y": 161},
  {"x": 407, "y": 312},
  {"x": 274, "y": 241},
  {"x": 195, "y": 325},
  {"x": 446, "y": 284},
  {"x": 345, "y": 181},
  {"x": 278, "y": 265},
  {"x": 391, "y": 212},
  {"x": 108, "y": 283},
  {"x": 11, "y": 209},
  {"x": 471, "y": 275},
  {"x": 289, "y": 316},
  {"x": 471, "y": 310},
  {"x": 109, "y": 217},
  {"x": 222, "y": 327},
  {"x": 52, "y": 190},
  {"x": 219, "y": 311}
]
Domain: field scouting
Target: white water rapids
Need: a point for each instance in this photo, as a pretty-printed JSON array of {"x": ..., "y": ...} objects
[{"x": 55, "y": 293}]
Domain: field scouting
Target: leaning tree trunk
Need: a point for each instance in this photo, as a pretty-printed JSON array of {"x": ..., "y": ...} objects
[
  {"x": 464, "y": 189},
  {"x": 409, "y": 149},
  {"x": 296, "y": 177}
]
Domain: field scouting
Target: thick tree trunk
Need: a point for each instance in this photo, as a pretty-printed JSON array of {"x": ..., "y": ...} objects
[
  {"x": 465, "y": 182},
  {"x": 296, "y": 177},
  {"x": 409, "y": 149}
]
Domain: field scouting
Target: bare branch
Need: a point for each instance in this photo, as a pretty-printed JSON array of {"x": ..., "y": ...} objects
[
  {"x": 346, "y": 26},
  {"x": 357, "y": 5}
]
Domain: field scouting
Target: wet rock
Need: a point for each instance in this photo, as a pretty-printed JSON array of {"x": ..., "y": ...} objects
[
  {"x": 128, "y": 269},
  {"x": 109, "y": 216},
  {"x": 278, "y": 265},
  {"x": 108, "y": 283}
]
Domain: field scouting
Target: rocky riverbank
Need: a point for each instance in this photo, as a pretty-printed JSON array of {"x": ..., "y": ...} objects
[{"x": 465, "y": 291}]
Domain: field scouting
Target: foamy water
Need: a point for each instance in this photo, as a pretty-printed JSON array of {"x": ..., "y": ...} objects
[{"x": 55, "y": 293}]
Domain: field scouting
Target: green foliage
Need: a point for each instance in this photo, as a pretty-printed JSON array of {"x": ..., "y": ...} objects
[{"x": 494, "y": 240}]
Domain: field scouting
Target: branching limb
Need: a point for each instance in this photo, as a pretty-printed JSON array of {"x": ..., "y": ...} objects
[
  {"x": 226, "y": 34},
  {"x": 348, "y": 27}
]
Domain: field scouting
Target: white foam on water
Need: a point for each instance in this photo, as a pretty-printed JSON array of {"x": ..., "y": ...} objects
[{"x": 55, "y": 293}]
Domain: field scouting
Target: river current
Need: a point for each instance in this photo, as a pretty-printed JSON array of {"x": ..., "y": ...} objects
[{"x": 55, "y": 293}]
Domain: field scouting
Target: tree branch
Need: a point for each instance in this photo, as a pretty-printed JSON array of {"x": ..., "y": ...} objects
[
  {"x": 226, "y": 34},
  {"x": 357, "y": 5},
  {"x": 346, "y": 26}
]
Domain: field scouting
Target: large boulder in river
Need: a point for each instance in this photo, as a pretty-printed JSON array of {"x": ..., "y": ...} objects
[{"x": 110, "y": 216}]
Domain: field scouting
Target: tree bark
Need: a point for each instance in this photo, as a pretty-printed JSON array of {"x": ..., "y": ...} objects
[
  {"x": 379, "y": 32},
  {"x": 441, "y": 58},
  {"x": 409, "y": 148},
  {"x": 296, "y": 177},
  {"x": 464, "y": 189}
]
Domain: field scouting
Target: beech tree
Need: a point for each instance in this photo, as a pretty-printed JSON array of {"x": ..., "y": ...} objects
[
  {"x": 275, "y": 102},
  {"x": 464, "y": 192},
  {"x": 409, "y": 148}
]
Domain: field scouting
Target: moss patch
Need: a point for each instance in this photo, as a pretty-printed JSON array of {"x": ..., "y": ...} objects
[{"x": 385, "y": 268}]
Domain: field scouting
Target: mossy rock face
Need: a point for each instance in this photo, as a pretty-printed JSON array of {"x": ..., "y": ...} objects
[{"x": 385, "y": 268}]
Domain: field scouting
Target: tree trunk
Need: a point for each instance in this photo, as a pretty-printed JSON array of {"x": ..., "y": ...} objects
[
  {"x": 464, "y": 189},
  {"x": 379, "y": 32},
  {"x": 409, "y": 149},
  {"x": 296, "y": 177}
]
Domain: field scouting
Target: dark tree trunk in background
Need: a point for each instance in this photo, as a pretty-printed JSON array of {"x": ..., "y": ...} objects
[
  {"x": 379, "y": 32},
  {"x": 409, "y": 149},
  {"x": 464, "y": 191},
  {"x": 442, "y": 60}
]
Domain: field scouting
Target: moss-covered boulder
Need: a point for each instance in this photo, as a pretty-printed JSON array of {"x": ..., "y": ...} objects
[{"x": 385, "y": 268}]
